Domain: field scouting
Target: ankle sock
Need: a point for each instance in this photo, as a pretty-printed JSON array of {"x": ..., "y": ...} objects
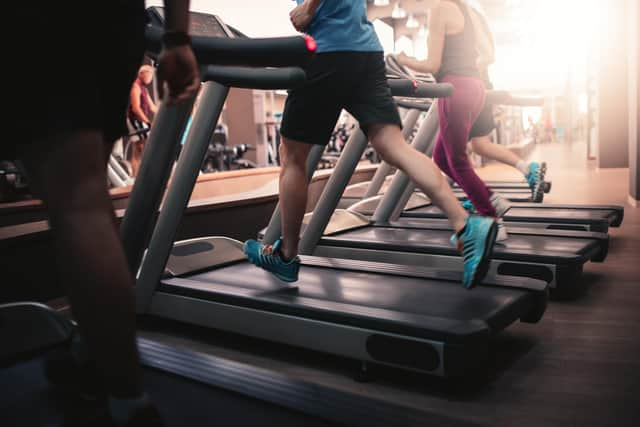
[
  {"x": 461, "y": 232},
  {"x": 122, "y": 410},
  {"x": 523, "y": 167}
]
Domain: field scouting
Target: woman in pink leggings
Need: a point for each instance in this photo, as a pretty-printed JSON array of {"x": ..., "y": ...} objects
[{"x": 453, "y": 59}]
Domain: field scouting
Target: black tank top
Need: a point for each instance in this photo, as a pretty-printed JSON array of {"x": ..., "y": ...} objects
[{"x": 460, "y": 55}]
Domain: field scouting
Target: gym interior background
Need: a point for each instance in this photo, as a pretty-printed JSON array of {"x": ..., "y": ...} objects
[
  {"x": 577, "y": 367},
  {"x": 581, "y": 55}
]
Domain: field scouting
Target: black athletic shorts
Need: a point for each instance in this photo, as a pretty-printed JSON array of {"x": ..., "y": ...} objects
[
  {"x": 484, "y": 124},
  {"x": 75, "y": 69},
  {"x": 355, "y": 81}
]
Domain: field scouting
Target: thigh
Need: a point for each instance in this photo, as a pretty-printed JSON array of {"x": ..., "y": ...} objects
[
  {"x": 83, "y": 151},
  {"x": 369, "y": 99},
  {"x": 311, "y": 111},
  {"x": 70, "y": 85},
  {"x": 457, "y": 113}
]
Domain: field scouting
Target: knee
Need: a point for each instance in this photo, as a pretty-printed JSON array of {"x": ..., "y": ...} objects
[
  {"x": 389, "y": 144},
  {"x": 459, "y": 162},
  {"x": 293, "y": 153},
  {"x": 478, "y": 145}
]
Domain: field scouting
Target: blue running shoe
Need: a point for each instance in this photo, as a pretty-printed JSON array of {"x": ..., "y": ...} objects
[
  {"x": 476, "y": 244},
  {"x": 468, "y": 206},
  {"x": 268, "y": 258},
  {"x": 535, "y": 179}
]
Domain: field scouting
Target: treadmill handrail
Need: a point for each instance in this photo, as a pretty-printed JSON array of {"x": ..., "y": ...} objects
[
  {"x": 416, "y": 89},
  {"x": 258, "y": 52},
  {"x": 255, "y": 78},
  {"x": 503, "y": 97},
  {"x": 421, "y": 106}
]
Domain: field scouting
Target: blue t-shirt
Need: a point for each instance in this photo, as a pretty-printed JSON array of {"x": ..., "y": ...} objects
[{"x": 342, "y": 25}]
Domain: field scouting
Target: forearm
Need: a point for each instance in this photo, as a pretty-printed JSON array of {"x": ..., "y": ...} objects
[
  {"x": 425, "y": 66},
  {"x": 177, "y": 15},
  {"x": 140, "y": 115}
]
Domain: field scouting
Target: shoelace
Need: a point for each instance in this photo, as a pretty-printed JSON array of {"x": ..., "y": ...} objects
[
  {"x": 268, "y": 257},
  {"x": 266, "y": 250}
]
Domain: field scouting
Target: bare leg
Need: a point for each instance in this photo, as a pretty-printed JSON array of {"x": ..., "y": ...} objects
[
  {"x": 136, "y": 156},
  {"x": 391, "y": 146},
  {"x": 293, "y": 193},
  {"x": 483, "y": 146},
  {"x": 89, "y": 253}
]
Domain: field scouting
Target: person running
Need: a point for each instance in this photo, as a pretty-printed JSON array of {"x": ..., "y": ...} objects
[
  {"x": 349, "y": 72},
  {"x": 65, "y": 152},
  {"x": 453, "y": 59},
  {"x": 533, "y": 172}
]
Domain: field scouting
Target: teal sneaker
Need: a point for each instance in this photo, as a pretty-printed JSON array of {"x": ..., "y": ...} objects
[
  {"x": 268, "y": 258},
  {"x": 476, "y": 244},
  {"x": 468, "y": 206},
  {"x": 535, "y": 179}
]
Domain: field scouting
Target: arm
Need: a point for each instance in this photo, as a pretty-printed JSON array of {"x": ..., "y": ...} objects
[
  {"x": 302, "y": 15},
  {"x": 152, "y": 105},
  {"x": 177, "y": 65},
  {"x": 437, "y": 32},
  {"x": 136, "y": 109}
]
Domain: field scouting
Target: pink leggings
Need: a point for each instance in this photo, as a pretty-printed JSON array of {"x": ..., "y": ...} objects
[{"x": 456, "y": 115}]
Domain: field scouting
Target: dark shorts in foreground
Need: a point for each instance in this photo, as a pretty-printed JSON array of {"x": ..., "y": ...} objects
[{"x": 74, "y": 71}]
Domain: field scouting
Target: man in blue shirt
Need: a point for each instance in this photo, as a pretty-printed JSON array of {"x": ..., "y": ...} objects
[{"x": 349, "y": 72}]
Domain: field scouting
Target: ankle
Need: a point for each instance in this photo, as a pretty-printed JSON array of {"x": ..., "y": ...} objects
[
  {"x": 523, "y": 167},
  {"x": 285, "y": 253},
  {"x": 287, "y": 256},
  {"x": 460, "y": 223}
]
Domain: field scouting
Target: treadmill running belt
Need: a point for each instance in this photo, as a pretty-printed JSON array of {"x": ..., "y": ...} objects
[
  {"x": 423, "y": 307},
  {"x": 536, "y": 248},
  {"x": 526, "y": 214}
]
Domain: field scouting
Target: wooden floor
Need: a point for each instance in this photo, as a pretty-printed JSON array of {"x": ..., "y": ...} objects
[{"x": 580, "y": 366}]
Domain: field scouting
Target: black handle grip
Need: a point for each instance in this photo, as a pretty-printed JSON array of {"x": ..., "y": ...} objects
[
  {"x": 265, "y": 52},
  {"x": 413, "y": 89},
  {"x": 255, "y": 78}
]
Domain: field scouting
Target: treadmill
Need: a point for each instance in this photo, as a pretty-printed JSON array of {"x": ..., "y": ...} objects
[
  {"x": 596, "y": 218},
  {"x": 191, "y": 387},
  {"x": 359, "y": 191},
  {"x": 555, "y": 257},
  {"x": 419, "y": 319}
]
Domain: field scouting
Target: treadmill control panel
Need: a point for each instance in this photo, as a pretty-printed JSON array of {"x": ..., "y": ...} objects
[{"x": 200, "y": 24}]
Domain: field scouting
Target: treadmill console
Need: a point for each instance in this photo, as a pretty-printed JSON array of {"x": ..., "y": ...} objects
[{"x": 200, "y": 24}]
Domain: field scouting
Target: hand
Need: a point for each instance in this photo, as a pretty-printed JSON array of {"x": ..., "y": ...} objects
[
  {"x": 301, "y": 17},
  {"x": 178, "y": 74}
]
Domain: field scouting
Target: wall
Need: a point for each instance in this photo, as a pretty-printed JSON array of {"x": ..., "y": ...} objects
[
  {"x": 240, "y": 119},
  {"x": 613, "y": 105},
  {"x": 634, "y": 102}
]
